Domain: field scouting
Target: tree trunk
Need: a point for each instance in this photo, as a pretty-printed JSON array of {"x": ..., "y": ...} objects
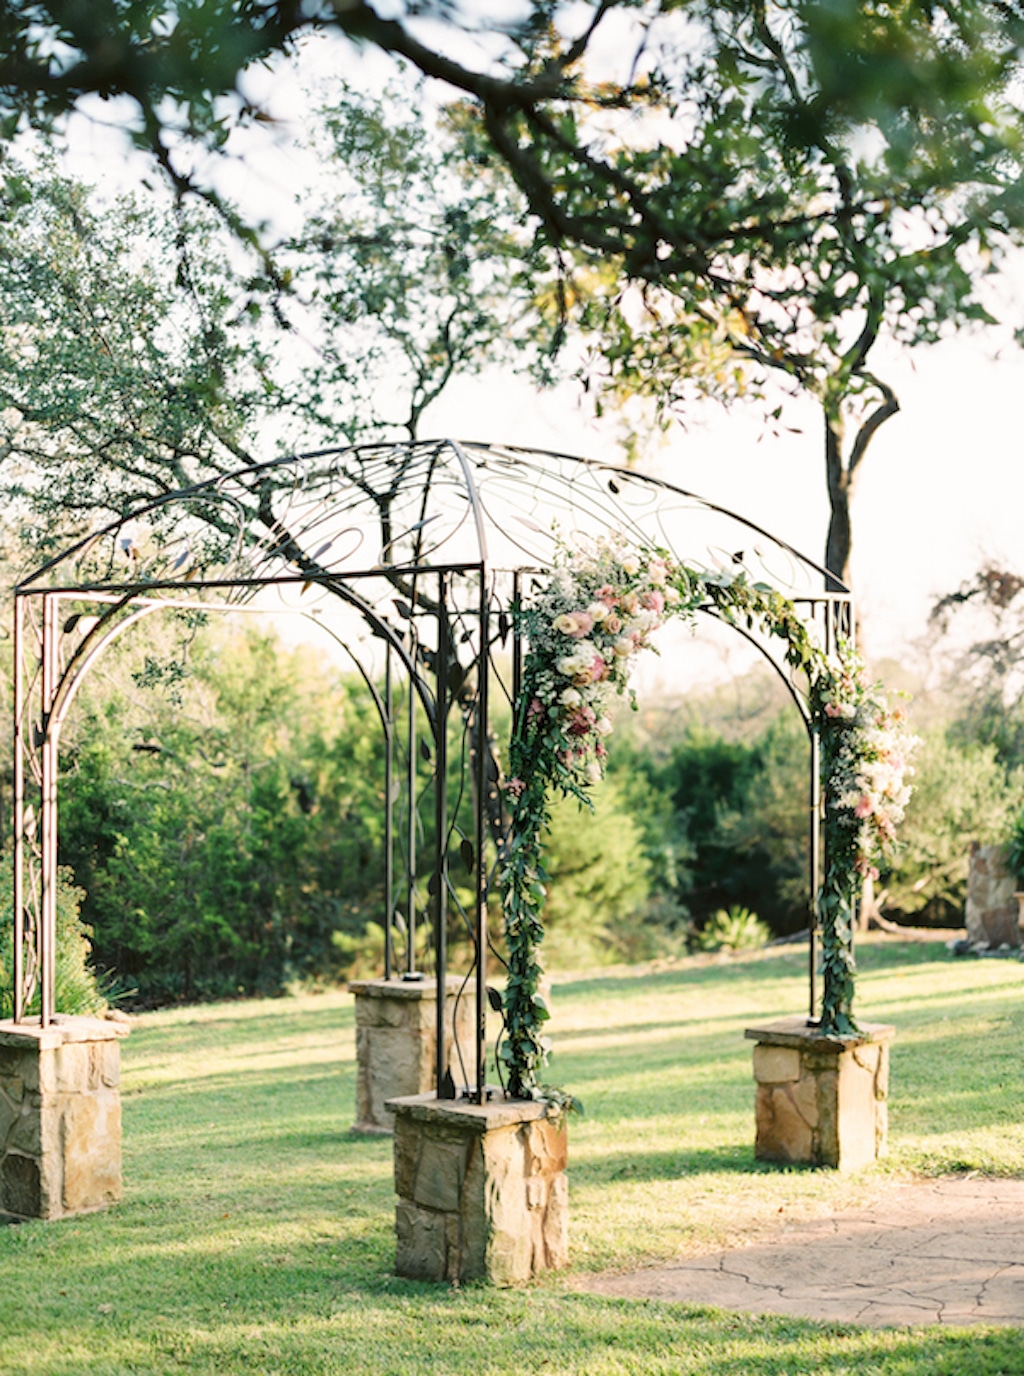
[
  {"x": 839, "y": 541},
  {"x": 842, "y": 475}
]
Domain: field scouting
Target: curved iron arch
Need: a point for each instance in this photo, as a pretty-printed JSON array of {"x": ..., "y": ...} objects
[{"x": 455, "y": 478}]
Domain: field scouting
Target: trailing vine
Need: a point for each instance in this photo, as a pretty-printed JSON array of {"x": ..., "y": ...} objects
[{"x": 584, "y": 629}]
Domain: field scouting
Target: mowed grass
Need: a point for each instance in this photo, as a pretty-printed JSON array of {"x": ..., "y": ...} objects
[{"x": 255, "y": 1235}]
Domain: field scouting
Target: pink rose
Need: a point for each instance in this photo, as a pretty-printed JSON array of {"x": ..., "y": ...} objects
[
  {"x": 574, "y": 624},
  {"x": 582, "y": 721}
]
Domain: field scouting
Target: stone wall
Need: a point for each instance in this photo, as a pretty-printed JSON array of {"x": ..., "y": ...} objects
[
  {"x": 60, "y": 1117},
  {"x": 396, "y": 1043},
  {"x": 991, "y": 914},
  {"x": 482, "y": 1190},
  {"x": 821, "y": 1101}
]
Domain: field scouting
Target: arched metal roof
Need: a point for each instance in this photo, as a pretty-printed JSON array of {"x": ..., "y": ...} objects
[{"x": 424, "y": 505}]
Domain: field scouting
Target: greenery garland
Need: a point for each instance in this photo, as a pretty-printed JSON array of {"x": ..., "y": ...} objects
[{"x": 584, "y": 629}]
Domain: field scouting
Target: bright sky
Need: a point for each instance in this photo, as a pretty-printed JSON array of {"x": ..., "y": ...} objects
[{"x": 942, "y": 487}]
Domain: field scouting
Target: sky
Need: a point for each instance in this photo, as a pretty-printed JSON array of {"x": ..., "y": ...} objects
[{"x": 942, "y": 486}]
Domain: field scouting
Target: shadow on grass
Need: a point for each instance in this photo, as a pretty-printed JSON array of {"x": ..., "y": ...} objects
[
  {"x": 770, "y": 965},
  {"x": 791, "y": 964},
  {"x": 655, "y": 1165},
  {"x": 195, "y": 1028},
  {"x": 311, "y": 1322}
]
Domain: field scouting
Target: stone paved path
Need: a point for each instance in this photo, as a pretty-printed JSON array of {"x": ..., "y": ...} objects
[{"x": 947, "y": 1251}]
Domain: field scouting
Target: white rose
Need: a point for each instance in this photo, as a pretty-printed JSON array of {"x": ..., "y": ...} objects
[
  {"x": 597, "y": 611},
  {"x": 603, "y": 726},
  {"x": 570, "y": 698},
  {"x": 630, "y": 565},
  {"x": 623, "y": 647}
]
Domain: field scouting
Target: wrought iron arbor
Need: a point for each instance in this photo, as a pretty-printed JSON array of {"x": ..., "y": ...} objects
[{"x": 412, "y": 558}]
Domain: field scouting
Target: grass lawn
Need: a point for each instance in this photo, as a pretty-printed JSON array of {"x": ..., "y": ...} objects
[{"x": 255, "y": 1233}]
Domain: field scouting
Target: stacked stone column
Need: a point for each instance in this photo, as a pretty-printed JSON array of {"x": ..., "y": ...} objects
[
  {"x": 821, "y": 1101},
  {"x": 396, "y": 1043},
  {"x": 60, "y": 1117},
  {"x": 482, "y": 1190}
]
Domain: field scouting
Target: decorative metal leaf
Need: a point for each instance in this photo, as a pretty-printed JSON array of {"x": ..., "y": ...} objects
[
  {"x": 503, "y": 626},
  {"x": 468, "y": 853},
  {"x": 399, "y": 921},
  {"x": 447, "y": 1086},
  {"x": 425, "y": 751},
  {"x": 403, "y": 609},
  {"x": 433, "y": 884},
  {"x": 456, "y": 677},
  {"x": 72, "y": 622},
  {"x": 613, "y": 486},
  {"x": 495, "y": 1000}
]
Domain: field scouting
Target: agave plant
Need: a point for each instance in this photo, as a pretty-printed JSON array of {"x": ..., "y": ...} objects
[{"x": 737, "y": 929}]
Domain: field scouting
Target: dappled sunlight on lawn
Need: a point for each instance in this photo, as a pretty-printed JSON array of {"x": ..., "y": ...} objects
[{"x": 256, "y": 1231}]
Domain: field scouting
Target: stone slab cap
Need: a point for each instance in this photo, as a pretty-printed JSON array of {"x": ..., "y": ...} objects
[
  {"x": 801, "y": 1032},
  {"x": 63, "y": 1029},
  {"x": 402, "y": 988},
  {"x": 498, "y": 1112}
]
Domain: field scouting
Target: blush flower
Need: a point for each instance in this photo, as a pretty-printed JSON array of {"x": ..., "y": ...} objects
[{"x": 574, "y": 624}]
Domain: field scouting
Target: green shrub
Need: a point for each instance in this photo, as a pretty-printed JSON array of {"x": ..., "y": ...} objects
[
  {"x": 225, "y": 838},
  {"x": 78, "y": 990},
  {"x": 961, "y": 794},
  {"x": 740, "y": 810},
  {"x": 736, "y": 930},
  {"x": 1015, "y": 849}
]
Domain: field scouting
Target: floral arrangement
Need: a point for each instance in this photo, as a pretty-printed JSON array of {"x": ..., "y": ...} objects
[
  {"x": 866, "y": 748},
  {"x": 584, "y": 628}
]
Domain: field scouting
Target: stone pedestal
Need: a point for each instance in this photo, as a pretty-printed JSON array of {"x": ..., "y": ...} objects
[
  {"x": 991, "y": 913},
  {"x": 396, "y": 1040},
  {"x": 821, "y": 1101},
  {"x": 482, "y": 1191},
  {"x": 60, "y": 1117}
]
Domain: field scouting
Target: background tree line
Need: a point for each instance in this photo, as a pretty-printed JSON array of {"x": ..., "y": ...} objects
[{"x": 222, "y": 822}]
